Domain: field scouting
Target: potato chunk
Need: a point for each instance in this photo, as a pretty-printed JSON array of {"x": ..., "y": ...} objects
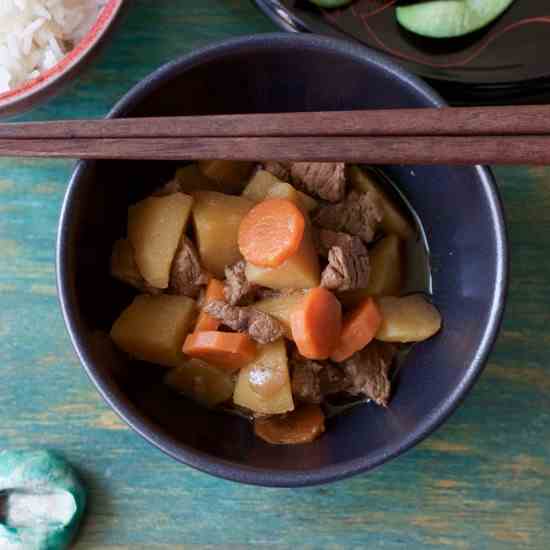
[
  {"x": 407, "y": 319},
  {"x": 231, "y": 175},
  {"x": 386, "y": 272},
  {"x": 393, "y": 221},
  {"x": 217, "y": 218},
  {"x": 284, "y": 190},
  {"x": 265, "y": 185},
  {"x": 201, "y": 382},
  {"x": 301, "y": 270},
  {"x": 155, "y": 227},
  {"x": 280, "y": 308},
  {"x": 123, "y": 264},
  {"x": 260, "y": 184},
  {"x": 153, "y": 328},
  {"x": 387, "y": 269},
  {"x": 264, "y": 385}
]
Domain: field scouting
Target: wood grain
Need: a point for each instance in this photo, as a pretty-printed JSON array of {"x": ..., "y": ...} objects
[
  {"x": 470, "y": 121},
  {"x": 480, "y": 482},
  {"x": 528, "y": 150},
  {"x": 493, "y": 135}
]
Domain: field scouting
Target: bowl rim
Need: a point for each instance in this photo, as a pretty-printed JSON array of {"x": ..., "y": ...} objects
[
  {"x": 106, "y": 17},
  {"x": 221, "y": 467}
]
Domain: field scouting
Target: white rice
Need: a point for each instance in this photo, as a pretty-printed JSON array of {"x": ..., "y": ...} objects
[{"x": 36, "y": 34}]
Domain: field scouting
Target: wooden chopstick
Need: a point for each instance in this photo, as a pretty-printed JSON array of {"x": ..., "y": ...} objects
[
  {"x": 493, "y": 135},
  {"x": 463, "y": 121},
  {"x": 534, "y": 150}
]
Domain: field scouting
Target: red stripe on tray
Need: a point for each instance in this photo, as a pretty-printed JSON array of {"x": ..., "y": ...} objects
[{"x": 461, "y": 62}]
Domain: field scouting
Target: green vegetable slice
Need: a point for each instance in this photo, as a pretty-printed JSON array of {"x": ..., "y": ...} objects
[
  {"x": 449, "y": 18},
  {"x": 331, "y": 3}
]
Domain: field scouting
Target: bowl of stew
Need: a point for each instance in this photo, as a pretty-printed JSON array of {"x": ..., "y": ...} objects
[{"x": 276, "y": 323}]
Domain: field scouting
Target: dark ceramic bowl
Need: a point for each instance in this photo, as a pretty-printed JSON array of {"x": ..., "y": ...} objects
[{"x": 459, "y": 207}]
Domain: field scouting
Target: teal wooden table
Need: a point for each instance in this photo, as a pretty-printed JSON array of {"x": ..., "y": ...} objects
[{"x": 482, "y": 481}]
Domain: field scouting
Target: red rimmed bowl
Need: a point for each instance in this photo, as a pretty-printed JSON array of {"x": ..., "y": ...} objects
[{"x": 50, "y": 82}]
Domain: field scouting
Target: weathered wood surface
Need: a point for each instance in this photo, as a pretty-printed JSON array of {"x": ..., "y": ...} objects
[{"x": 482, "y": 481}]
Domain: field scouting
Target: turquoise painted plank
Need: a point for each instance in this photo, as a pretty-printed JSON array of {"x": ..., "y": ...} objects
[{"x": 482, "y": 481}]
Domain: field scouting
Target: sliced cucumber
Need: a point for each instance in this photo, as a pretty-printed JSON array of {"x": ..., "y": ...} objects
[
  {"x": 449, "y": 18},
  {"x": 331, "y": 3}
]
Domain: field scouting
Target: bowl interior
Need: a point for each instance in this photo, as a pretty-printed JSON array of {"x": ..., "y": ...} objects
[{"x": 458, "y": 207}]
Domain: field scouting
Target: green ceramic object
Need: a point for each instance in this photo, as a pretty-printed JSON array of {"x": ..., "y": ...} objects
[{"x": 41, "y": 501}]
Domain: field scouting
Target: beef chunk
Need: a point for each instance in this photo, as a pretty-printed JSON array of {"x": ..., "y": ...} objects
[
  {"x": 258, "y": 325},
  {"x": 333, "y": 380},
  {"x": 187, "y": 275},
  {"x": 367, "y": 372},
  {"x": 313, "y": 380},
  {"x": 326, "y": 180},
  {"x": 306, "y": 383},
  {"x": 280, "y": 170},
  {"x": 358, "y": 215},
  {"x": 238, "y": 289},
  {"x": 348, "y": 261},
  {"x": 263, "y": 293},
  {"x": 326, "y": 239}
]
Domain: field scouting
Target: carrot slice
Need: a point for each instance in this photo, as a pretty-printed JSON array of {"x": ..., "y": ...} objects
[
  {"x": 303, "y": 425},
  {"x": 231, "y": 350},
  {"x": 271, "y": 232},
  {"x": 316, "y": 324},
  {"x": 359, "y": 328},
  {"x": 214, "y": 291}
]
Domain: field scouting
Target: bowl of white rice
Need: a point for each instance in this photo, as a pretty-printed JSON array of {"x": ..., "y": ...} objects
[{"x": 43, "y": 43}]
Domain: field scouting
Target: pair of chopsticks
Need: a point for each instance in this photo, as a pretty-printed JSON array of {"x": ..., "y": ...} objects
[{"x": 481, "y": 135}]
